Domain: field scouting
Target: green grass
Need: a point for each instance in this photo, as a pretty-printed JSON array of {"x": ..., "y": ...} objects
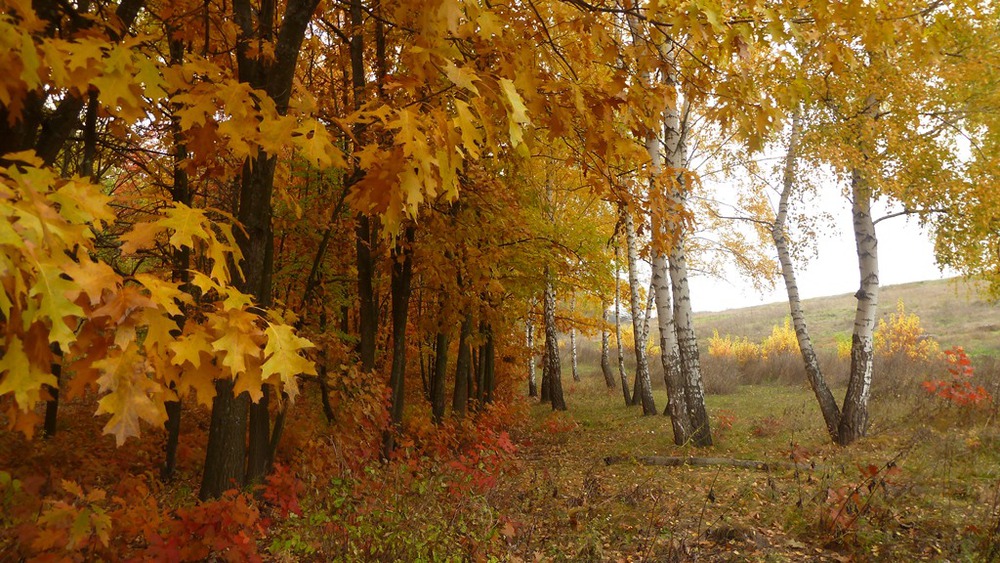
[{"x": 566, "y": 504}]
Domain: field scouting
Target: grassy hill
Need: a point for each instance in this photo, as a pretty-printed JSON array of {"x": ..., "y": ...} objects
[{"x": 952, "y": 311}]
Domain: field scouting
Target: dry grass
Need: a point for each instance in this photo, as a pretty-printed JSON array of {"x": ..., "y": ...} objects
[{"x": 952, "y": 311}]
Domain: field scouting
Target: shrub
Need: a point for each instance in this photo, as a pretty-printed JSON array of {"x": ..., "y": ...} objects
[{"x": 903, "y": 335}]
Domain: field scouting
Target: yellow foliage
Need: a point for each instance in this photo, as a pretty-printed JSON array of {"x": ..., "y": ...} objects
[
  {"x": 843, "y": 347},
  {"x": 903, "y": 335},
  {"x": 740, "y": 349},
  {"x": 782, "y": 340}
]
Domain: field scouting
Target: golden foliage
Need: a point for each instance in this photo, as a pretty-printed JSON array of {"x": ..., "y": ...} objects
[{"x": 903, "y": 335}]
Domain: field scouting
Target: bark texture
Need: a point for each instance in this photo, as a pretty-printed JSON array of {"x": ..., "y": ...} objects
[
  {"x": 609, "y": 376},
  {"x": 402, "y": 276},
  {"x": 463, "y": 363},
  {"x": 618, "y": 331},
  {"x": 552, "y": 346},
  {"x": 854, "y": 417},
  {"x": 827, "y": 403},
  {"x": 529, "y": 336},
  {"x": 641, "y": 360}
]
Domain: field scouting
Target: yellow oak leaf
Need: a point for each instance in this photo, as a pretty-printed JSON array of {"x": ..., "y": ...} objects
[
  {"x": 471, "y": 137},
  {"x": 250, "y": 381},
  {"x": 519, "y": 113},
  {"x": 235, "y": 340},
  {"x": 189, "y": 347},
  {"x": 163, "y": 293},
  {"x": 187, "y": 223},
  {"x": 82, "y": 202},
  {"x": 461, "y": 76},
  {"x": 284, "y": 359},
  {"x": 20, "y": 376},
  {"x": 92, "y": 279},
  {"x": 316, "y": 146},
  {"x": 51, "y": 291},
  {"x": 199, "y": 379},
  {"x": 131, "y": 394}
]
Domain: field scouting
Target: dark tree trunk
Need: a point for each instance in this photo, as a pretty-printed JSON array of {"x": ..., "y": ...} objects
[
  {"x": 402, "y": 275},
  {"x": 460, "y": 398},
  {"x": 259, "y": 451},
  {"x": 181, "y": 259},
  {"x": 439, "y": 376},
  {"x": 368, "y": 309},
  {"x": 52, "y": 405},
  {"x": 225, "y": 457},
  {"x": 489, "y": 366},
  {"x": 226, "y": 453}
]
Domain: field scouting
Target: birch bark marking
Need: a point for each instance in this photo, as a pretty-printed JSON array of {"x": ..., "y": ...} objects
[
  {"x": 827, "y": 403},
  {"x": 618, "y": 329},
  {"x": 572, "y": 342},
  {"x": 687, "y": 341},
  {"x": 552, "y": 345},
  {"x": 529, "y": 330},
  {"x": 641, "y": 361},
  {"x": 680, "y": 419},
  {"x": 609, "y": 378},
  {"x": 854, "y": 420}
]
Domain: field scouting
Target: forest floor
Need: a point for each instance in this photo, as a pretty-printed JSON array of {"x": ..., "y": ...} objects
[
  {"x": 925, "y": 485},
  {"x": 527, "y": 484}
]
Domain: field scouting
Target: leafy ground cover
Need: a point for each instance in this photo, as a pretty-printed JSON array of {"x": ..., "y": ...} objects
[{"x": 526, "y": 484}]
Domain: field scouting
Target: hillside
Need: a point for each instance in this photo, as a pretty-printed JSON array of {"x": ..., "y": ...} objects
[{"x": 952, "y": 311}]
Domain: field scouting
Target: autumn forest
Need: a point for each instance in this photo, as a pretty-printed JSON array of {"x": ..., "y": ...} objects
[{"x": 409, "y": 280}]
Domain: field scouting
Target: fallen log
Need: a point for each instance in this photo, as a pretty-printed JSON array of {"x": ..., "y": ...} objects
[{"x": 671, "y": 461}]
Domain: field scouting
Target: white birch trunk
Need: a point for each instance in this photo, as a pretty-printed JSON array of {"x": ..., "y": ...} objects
[
  {"x": 572, "y": 342},
  {"x": 854, "y": 418},
  {"x": 687, "y": 345},
  {"x": 552, "y": 345},
  {"x": 827, "y": 403},
  {"x": 609, "y": 378},
  {"x": 642, "y": 364},
  {"x": 529, "y": 329},
  {"x": 618, "y": 328}
]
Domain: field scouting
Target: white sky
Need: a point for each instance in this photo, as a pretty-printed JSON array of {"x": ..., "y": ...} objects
[{"x": 905, "y": 255}]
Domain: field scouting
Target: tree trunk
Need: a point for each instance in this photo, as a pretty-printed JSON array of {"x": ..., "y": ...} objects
[
  {"x": 609, "y": 376},
  {"x": 572, "y": 342},
  {"x": 827, "y": 403},
  {"x": 225, "y": 456},
  {"x": 642, "y": 365},
  {"x": 644, "y": 339},
  {"x": 460, "y": 398},
  {"x": 367, "y": 306},
  {"x": 618, "y": 330},
  {"x": 854, "y": 417},
  {"x": 529, "y": 330},
  {"x": 546, "y": 391},
  {"x": 660, "y": 285},
  {"x": 687, "y": 345},
  {"x": 552, "y": 346},
  {"x": 669, "y": 355},
  {"x": 402, "y": 275},
  {"x": 259, "y": 450},
  {"x": 489, "y": 366},
  {"x": 439, "y": 376}
]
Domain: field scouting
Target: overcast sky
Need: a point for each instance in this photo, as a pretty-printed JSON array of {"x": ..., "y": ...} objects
[{"x": 905, "y": 255}]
